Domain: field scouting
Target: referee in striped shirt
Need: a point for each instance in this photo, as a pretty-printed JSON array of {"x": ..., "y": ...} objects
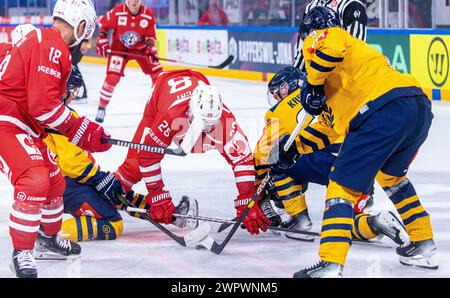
[{"x": 353, "y": 17}]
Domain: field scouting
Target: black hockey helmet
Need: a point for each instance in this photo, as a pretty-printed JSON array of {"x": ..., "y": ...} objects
[
  {"x": 74, "y": 83},
  {"x": 317, "y": 18},
  {"x": 283, "y": 83}
]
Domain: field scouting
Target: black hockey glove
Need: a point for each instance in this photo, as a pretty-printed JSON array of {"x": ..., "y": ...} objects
[
  {"x": 108, "y": 186},
  {"x": 280, "y": 160},
  {"x": 313, "y": 99}
]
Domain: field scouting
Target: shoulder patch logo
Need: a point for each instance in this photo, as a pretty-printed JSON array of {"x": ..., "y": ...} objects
[
  {"x": 122, "y": 21},
  {"x": 144, "y": 24},
  {"x": 319, "y": 38}
]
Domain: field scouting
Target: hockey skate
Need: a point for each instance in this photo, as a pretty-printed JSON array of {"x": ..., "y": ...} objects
[
  {"x": 80, "y": 96},
  {"x": 386, "y": 223},
  {"x": 55, "y": 248},
  {"x": 101, "y": 112},
  {"x": 420, "y": 254},
  {"x": 23, "y": 264},
  {"x": 301, "y": 221},
  {"x": 186, "y": 206},
  {"x": 280, "y": 218},
  {"x": 321, "y": 269}
]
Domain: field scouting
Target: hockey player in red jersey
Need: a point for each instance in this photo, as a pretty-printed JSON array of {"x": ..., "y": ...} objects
[
  {"x": 187, "y": 110},
  {"x": 33, "y": 79},
  {"x": 17, "y": 34},
  {"x": 133, "y": 26}
]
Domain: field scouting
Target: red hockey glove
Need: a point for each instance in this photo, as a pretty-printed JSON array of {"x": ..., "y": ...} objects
[
  {"x": 102, "y": 45},
  {"x": 161, "y": 206},
  {"x": 152, "y": 52},
  {"x": 88, "y": 135},
  {"x": 255, "y": 218}
]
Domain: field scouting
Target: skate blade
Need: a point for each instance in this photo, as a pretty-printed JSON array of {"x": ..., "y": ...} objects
[
  {"x": 300, "y": 237},
  {"x": 420, "y": 261},
  {"x": 50, "y": 256}
]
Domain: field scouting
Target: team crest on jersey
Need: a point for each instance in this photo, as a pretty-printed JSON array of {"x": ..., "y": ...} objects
[
  {"x": 237, "y": 148},
  {"x": 27, "y": 143},
  {"x": 144, "y": 24},
  {"x": 122, "y": 21},
  {"x": 116, "y": 64},
  {"x": 130, "y": 38}
]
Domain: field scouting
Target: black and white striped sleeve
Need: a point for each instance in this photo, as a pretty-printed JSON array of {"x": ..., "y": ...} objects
[
  {"x": 299, "y": 61},
  {"x": 354, "y": 19}
]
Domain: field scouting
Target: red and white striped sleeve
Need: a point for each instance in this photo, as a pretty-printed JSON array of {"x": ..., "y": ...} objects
[{"x": 238, "y": 153}]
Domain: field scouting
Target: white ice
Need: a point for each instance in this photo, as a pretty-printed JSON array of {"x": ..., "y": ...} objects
[{"x": 144, "y": 251}]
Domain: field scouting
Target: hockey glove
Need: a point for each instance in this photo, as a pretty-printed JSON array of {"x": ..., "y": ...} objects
[
  {"x": 152, "y": 51},
  {"x": 313, "y": 98},
  {"x": 102, "y": 45},
  {"x": 161, "y": 206},
  {"x": 255, "y": 218},
  {"x": 280, "y": 160},
  {"x": 108, "y": 186},
  {"x": 88, "y": 135}
]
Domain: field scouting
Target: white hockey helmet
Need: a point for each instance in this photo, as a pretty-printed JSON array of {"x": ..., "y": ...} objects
[
  {"x": 74, "y": 12},
  {"x": 20, "y": 31},
  {"x": 206, "y": 104}
]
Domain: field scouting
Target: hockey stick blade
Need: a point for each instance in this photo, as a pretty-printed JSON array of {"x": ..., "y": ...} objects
[
  {"x": 229, "y": 223},
  {"x": 195, "y": 236},
  {"x": 224, "y": 63}
]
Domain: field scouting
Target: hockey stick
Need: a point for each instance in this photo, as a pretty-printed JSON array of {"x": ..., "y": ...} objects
[
  {"x": 159, "y": 150},
  {"x": 136, "y": 55},
  {"x": 196, "y": 236},
  {"x": 138, "y": 146},
  {"x": 301, "y": 115},
  {"x": 227, "y": 221}
]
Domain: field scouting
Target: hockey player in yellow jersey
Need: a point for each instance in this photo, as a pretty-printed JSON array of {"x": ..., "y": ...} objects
[
  {"x": 284, "y": 203},
  {"x": 385, "y": 117}
]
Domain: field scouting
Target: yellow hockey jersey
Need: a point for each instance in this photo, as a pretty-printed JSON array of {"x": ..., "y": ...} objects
[
  {"x": 73, "y": 161},
  {"x": 282, "y": 119},
  {"x": 358, "y": 79}
]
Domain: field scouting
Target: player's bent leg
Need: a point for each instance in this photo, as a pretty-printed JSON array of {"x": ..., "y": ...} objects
[
  {"x": 421, "y": 250},
  {"x": 95, "y": 218},
  {"x": 128, "y": 172},
  {"x": 106, "y": 93},
  {"x": 288, "y": 195},
  {"x": 336, "y": 235},
  {"x": 385, "y": 223},
  {"x": 49, "y": 240},
  {"x": 88, "y": 228},
  {"x": 30, "y": 192}
]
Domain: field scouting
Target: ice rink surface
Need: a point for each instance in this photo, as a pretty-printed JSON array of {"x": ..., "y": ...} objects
[{"x": 144, "y": 251}]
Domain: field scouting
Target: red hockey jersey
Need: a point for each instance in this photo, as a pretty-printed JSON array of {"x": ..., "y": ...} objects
[
  {"x": 129, "y": 32},
  {"x": 167, "y": 116},
  {"x": 33, "y": 77},
  {"x": 5, "y": 47}
]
